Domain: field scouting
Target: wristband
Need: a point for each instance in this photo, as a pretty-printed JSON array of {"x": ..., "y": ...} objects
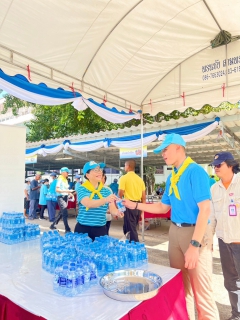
[{"x": 136, "y": 206}]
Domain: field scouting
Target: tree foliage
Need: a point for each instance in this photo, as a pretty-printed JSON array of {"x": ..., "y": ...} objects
[{"x": 61, "y": 121}]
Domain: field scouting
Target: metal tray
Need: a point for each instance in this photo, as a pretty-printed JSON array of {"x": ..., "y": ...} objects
[{"x": 131, "y": 284}]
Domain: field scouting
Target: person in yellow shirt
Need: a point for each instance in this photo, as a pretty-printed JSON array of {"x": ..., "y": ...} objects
[{"x": 131, "y": 187}]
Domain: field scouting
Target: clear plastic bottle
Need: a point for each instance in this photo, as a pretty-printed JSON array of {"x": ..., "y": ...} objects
[
  {"x": 63, "y": 280},
  {"x": 71, "y": 286},
  {"x": 57, "y": 272},
  {"x": 87, "y": 273},
  {"x": 80, "y": 278},
  {"x": 120, "y": 206},
  {"x": 93, "y": 273},
  {"x": 135, "y": 257}
]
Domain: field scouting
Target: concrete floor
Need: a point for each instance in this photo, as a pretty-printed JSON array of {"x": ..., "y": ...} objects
[{"x": 156, "y": 240}]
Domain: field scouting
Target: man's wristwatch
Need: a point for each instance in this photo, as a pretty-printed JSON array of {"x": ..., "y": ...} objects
[{"x": 195, "y": 243}]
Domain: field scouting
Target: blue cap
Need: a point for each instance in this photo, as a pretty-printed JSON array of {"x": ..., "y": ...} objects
[
  {"x": 92, "y": 165},
  {"x": 221, "y": 157},
  {"x": 172, "y": 138},
  {"x": 115, "y": 180},
  {"x": 77, "y": 176},
  {"x": 53, "y": 174},
  {"x": 64, "y": 169}
]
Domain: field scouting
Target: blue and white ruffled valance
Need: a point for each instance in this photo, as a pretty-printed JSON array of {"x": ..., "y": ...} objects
[
  {"x": 20, "y": 87},
  {"x": 189, "y": 133}
]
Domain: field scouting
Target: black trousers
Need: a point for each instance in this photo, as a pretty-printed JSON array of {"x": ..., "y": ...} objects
[
  {"x": 108, "y": 223},
  {"x": 230, "y": 259},
  {"x": 63, "y": 213},
  {"x": 43, "y": 207},
  {"x": 130, "y": 223},
  {"x": 92, "y": 232}
]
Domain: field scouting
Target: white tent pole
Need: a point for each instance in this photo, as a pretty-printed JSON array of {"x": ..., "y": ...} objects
[{"x": 142, "y": 168}]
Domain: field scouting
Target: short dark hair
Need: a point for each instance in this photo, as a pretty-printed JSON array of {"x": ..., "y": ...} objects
[
  {"x": 234, "y": 164},
  {"x": 85, "y": 176},
  {"x": 104, "y": 175}
]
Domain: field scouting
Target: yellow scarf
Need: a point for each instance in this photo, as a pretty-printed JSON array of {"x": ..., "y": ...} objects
[
  {"x": 87, "y": 184},
  {"x": 176, "y": 176}
]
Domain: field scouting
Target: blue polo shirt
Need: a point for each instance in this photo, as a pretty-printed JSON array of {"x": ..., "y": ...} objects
[
  {"x": 52, "y": 188},
  {"x": 193, "y": 187},
  {"x": 93, "y": 216}
]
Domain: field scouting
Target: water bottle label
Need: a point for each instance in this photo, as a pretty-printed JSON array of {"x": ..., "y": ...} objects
[
  {"x": 62, "y": 281},
  {"x": 69, "y": 283},
  {"x": 93, "y": 275},
  {"x": 80, "y": 280}
]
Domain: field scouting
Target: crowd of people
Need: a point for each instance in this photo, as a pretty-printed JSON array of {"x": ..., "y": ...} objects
[{"x": 199, "y": 208}]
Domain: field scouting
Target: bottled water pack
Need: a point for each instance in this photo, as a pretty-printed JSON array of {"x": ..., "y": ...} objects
[
  {"x": 76, "y": 262},
  {"x": 14, "y": 229}
]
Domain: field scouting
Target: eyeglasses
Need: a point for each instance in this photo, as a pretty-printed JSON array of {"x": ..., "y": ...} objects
[{"x": 218, "y": 165}]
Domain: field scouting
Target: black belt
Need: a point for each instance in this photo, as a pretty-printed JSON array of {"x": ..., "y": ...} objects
[{"x": 184, "y": 224}]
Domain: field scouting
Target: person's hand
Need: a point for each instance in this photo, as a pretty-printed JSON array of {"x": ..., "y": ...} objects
[
  {"x": 129, "y": 204},
  {"x": 191, "y": 257},
  {"x": 118, "y": 214},
  {"x": 71, "y": 196},
  {"x": 111, "y": 198}
]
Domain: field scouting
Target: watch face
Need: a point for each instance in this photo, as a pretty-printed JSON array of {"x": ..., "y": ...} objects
[{"x": 195, "y": 243}]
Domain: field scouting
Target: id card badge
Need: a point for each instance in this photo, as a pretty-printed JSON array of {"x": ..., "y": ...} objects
[{"x": 232, "y": 210}]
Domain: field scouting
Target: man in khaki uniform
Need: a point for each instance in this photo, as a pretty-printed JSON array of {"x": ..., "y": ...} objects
[
  {"x": 132, "y": 187},
  {"x": 225, "y": 220},
  {"x": 188, "y": 196}
]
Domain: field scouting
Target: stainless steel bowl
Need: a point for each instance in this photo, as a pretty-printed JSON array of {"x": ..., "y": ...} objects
[{"x": 131, "y": 284}]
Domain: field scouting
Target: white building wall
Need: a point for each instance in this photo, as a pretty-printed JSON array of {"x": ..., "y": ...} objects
[{"x": 12, "y": 167}]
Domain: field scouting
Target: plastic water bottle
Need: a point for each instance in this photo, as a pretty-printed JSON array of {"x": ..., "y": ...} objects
[
  {"x": 144, "y": 254},
  {"x": 110, "y": 264},
  {"x": 56, "y": 281},
  {"x": 63, "y": 280},
  {"x": 80, "y": 278},
  {"x": 87, "y": 274},
  {"x": 71, "y": 290},
  {"x": 135, "y": 257},
  {"x": 93, "y": 273},
  {"x": 120, "y": 206}
]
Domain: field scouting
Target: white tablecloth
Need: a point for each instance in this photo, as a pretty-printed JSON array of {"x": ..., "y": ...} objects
[{"x": 24, "y": 282}]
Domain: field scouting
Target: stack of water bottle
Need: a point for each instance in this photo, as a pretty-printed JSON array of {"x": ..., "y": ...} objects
[
  {"x": 14, "y": 230},
  {"x": 77, "y": 262}
]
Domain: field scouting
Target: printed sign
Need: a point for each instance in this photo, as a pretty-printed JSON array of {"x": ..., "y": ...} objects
[
  {"x": 126, "y": 153},
  {"x": 32, "y": 159}
]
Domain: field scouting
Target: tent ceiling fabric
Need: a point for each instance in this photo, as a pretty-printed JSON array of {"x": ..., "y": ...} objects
[
  {"x": 150, "y": 53},
  {"x": 202, "y": 150}
]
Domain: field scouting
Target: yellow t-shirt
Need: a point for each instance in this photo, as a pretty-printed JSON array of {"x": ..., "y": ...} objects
[{"x": 132, "y": 185}]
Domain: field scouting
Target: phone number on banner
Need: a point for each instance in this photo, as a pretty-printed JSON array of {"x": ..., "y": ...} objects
[{"x": 220, "y": 73}]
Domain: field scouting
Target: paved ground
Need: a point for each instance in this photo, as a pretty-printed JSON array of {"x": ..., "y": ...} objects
[{"x": 156, "y": 240}]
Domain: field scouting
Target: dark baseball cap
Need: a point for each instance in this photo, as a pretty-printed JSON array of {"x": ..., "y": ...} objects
[
  {"x": 53, "y": 174},
  {"x": 221, "y": 157}
]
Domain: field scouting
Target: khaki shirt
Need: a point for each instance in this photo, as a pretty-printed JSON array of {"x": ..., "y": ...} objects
[{"x": 227, "y": 227}]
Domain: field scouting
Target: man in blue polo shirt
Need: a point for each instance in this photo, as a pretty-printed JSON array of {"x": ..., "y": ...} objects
[{"x": 187, "y": 193}]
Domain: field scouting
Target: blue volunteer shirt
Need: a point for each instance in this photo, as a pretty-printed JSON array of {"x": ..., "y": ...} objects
[
  {"x": 52, "y": 188},
  {"x": 93, "y": 216},
  {"x": 193, "y": 187}
]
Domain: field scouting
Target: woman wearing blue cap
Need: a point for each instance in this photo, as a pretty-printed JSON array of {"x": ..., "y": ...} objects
[{"x": 94, "y": 199}]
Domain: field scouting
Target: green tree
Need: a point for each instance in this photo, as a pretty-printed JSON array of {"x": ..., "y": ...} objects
[
  {"x": 57, "y": 121},
  {"x": 60, "y": 121}
]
